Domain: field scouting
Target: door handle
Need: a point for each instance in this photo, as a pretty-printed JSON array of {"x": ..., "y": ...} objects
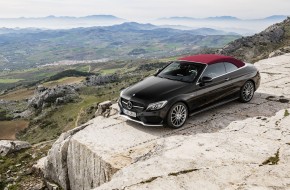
[{"x": 227, "y": 79}]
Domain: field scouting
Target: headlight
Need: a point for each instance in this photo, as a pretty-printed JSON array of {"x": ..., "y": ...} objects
[{"x": 157, "y": 105}]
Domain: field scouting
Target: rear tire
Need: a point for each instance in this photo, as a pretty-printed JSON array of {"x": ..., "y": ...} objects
[
  {"x": 247, "y": 92},
  {"x": 177, "y": 115}
]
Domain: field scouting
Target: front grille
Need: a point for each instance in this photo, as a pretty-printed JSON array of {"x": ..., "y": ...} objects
[{"x": 135, "y": 105}]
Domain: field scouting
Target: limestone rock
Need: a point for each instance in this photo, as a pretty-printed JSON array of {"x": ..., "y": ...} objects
[
  {"x": 7, "y": 146},
  {"x": 45, "y": 97},
  {"x": 96, "y": 80},
  {"x": 231, "y": 158},
  {"x": 39, "y": 167},
  {"x": 103, "y": 109}
]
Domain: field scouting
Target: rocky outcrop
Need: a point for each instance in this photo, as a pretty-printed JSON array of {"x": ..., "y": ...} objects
[
  {"x": 236, "y": 146},
  {"x": 96, "y": 80},
  {"x": 259, "y": 46},
  {"x": 7, "y": 146},
  {"x": 45, "y": 97}
]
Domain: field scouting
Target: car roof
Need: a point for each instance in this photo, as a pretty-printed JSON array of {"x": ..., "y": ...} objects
[{"x": 209, "y": 59}]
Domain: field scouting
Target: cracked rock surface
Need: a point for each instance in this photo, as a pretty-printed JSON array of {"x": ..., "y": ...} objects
[{"x": 235, "y": 146}]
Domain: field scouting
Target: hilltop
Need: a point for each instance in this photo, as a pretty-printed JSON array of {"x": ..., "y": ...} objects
[{"x": 259, "y": 46}]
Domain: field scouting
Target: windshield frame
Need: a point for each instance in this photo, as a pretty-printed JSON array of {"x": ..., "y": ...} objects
[{"x": 200, "y": 71}]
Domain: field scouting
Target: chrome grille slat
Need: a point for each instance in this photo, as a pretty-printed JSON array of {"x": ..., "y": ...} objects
[{"x": 138, "y": 106}]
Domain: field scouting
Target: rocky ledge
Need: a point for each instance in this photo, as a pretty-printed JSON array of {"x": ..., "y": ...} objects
[{"x": 235, "y": 146}]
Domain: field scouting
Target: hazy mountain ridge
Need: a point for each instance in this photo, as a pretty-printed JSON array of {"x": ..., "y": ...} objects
[
  {"x": 221, "y": 18},
  {"x": 108, "y": 17},
  {"x": 234, "y": 24},
  {"x": 61, "y": 22},
  {"x": 225, "y": 23}
]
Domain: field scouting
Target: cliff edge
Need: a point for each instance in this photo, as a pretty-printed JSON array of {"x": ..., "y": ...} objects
[{"x": 234, "y": 146}]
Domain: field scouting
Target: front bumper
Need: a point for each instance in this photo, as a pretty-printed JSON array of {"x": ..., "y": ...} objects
[
  {"x": 145, "y": 118},
  {"x": 140, "y": 122}
]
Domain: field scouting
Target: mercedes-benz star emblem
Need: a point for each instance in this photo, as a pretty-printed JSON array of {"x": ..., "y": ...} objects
[{"x": 129, "y": 105}]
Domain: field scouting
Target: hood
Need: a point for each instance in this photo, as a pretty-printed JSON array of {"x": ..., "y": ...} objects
[{"x": 153, "y": 88}]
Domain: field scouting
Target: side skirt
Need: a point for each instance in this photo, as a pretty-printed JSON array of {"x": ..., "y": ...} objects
[{"x": 213, "y": 106}]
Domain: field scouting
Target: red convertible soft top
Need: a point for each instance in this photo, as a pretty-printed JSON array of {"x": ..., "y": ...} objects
[{"x": 212, "y": 59}]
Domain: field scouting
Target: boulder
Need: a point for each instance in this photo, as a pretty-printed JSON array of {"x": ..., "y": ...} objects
[
  {"x": 7, "y": 146},
  {"x": 103, "y": 109}
]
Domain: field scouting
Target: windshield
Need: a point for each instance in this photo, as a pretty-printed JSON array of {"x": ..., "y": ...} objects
[{"x": 181, "y": 71}]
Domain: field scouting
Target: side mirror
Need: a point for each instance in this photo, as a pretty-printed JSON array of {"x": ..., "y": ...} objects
[{"x": 206, "y": 79}]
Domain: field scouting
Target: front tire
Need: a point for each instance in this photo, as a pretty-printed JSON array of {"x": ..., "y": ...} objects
[
  {"x": 247, "y": 92},
  {"x": 177, "y": 115}
]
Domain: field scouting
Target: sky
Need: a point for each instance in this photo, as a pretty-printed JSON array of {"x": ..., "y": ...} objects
[{"x": 144, "y": 9}]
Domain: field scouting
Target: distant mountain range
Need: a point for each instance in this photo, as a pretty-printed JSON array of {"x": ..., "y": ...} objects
[
  {"x": 24, "y": 48},
  {"x": 225, "y": 18},
  {"x": 60, "y": 22},
  {"x": 225, "y": 23},
  {"x": 95, "y": 17}
]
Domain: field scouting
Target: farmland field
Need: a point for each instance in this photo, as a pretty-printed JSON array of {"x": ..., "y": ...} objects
[
  {"x": 64, "y": 81},
  {"x": 9, "y": 80},
  {"x": 10, "y": 128},
  {"x": 19, "y": 94}
]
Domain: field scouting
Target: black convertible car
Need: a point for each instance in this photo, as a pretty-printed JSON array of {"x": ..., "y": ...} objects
[{"x": 188, "y": 86}]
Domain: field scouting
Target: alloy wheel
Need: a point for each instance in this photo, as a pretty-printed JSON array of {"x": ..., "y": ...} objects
[
  {"x": 247, "y": 91},
  {"x": 178, "y": 115}
]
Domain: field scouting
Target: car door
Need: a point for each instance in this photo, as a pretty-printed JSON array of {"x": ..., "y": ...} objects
[
  {"x": 232, "y": 76},
  {"x": 214, "y": 90}
]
